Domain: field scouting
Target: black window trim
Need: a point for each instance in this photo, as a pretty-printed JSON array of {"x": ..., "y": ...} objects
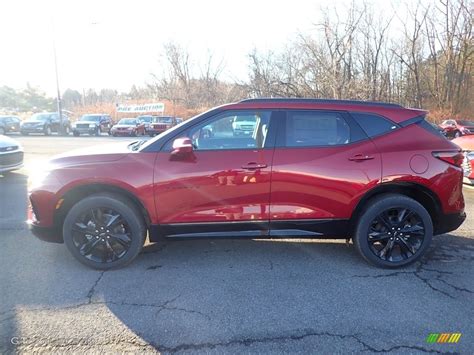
[
  {"x": 269, "y": 141},
  {"x": 353, "y": 125}
]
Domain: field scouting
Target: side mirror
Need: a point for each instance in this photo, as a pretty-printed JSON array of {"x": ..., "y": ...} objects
[{"x": 182, "y": 146}]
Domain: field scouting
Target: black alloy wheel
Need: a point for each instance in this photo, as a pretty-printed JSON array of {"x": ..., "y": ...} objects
[
  {"x": 396, "y": 234},
  {"x": 393, "y": 230},
  {"x": 104, "y": 231},
  {"x": 101, "y": 235}
]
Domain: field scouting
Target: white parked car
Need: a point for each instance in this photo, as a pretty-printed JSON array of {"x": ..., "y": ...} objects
[
  {"x": 244, "y": 125},
  {"x": 11, "y": 154}
]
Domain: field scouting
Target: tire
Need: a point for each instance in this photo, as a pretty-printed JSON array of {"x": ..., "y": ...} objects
[
  {"x": 76, "y": 134},
  {"x": 67, "y": 131},
  {"x": 114, "y": 134},
  {"x": 374, "y": 235},
  {"x": 79, "y": 242},
  {"x": 133, "y": 134},
  {"x": 24, "y": 133},
  {"x": 457, "y": 134},
  {"x": 47, "y": 131}
]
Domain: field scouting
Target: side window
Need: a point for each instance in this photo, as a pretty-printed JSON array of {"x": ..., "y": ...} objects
[
  {"x": 316, "y": 128},
  {"x": 232, "y": 130},
  {"x": 372, "y": 124}
]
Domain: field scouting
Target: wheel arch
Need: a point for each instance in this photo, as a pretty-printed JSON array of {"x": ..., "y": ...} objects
[
  {"x": 426, "y": 197},
  {"x": 80, "y": 192}
]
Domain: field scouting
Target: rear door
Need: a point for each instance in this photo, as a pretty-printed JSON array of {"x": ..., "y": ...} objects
[{"x": 323, "y": 163}]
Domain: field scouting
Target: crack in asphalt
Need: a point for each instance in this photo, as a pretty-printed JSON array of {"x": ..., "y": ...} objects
[
  {"x": 91, "y": 292},
  {"x": 283, "y": 338},
  {"x": 428, "y": 281}
]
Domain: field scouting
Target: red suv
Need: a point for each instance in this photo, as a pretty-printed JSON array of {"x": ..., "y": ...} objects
[{"x": 377, "y": 173}]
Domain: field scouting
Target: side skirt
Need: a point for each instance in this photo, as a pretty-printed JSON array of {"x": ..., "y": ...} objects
[{"x": 319, "y": 228}]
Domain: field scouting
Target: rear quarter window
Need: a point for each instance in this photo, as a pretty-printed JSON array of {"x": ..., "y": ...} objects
[{"x": 374, "y": 125}]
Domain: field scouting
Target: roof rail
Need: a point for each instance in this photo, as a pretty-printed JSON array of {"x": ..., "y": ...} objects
[{"x": 323, "y": 101}]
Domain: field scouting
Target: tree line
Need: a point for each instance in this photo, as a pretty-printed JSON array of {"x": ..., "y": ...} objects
[{"x": 423, "y": 58}]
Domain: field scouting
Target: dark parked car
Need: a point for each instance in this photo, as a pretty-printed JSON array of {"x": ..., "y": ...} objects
[
  {"x": 92, "y": 124},
  {"x": 46, "y": 123},
  {"x": 161, "y": 124},
  {"x": 128, "y": 127},
  {"x": 457, "y": 128},
  {"x": 9, "y": 124},
  {"x": 311, "y": 168},
  {"x": 11, "y": 154},
  {"x": 146, "y": 120}
]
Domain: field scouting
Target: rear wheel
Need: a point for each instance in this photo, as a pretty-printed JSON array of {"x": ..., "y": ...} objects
[
  {"x": 104, "y": 231},
  {"x": 393, "y": 231}
]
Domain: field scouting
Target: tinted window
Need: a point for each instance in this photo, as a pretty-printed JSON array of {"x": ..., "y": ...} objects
[
  {"x": 310, "y": 128},
  {"x": 374, "y": 125},
  {"x": 229, "y": 131}
]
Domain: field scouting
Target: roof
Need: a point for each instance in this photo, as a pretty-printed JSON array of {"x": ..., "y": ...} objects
[{"x": 392, "y": 111}]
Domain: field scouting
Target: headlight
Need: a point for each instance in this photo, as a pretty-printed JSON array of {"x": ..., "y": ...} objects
[
  {"x": 38, "y": 174},
  {"x": 91, "y": 125}
]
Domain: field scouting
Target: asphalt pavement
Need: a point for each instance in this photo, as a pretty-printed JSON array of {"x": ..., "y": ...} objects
[{"x": 225, "y": 296}]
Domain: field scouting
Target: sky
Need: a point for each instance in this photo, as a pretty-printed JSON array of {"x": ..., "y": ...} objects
[{"x": 116, "y": 44}]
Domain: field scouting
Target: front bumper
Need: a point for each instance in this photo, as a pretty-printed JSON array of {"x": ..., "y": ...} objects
[
  {"x": 85, "y": 130},
  {"x": 47, "y": 234},
  {"x": 11, "y": 161},
  {"x": 449, "y": 222},
  {"x": 34, "y": 129}
]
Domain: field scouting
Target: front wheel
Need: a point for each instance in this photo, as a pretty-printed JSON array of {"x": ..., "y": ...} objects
[
  {"x": 393, "y": 231},
  {"x": 47, "y": 131},
  {"x": 104, "y": 231}
]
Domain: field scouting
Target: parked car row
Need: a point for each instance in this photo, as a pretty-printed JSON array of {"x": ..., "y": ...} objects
[{"x": 47, "y": 123}]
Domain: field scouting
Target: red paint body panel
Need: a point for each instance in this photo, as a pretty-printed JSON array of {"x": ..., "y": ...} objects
[
  {"x": 212, "y": 186},
  {"x": 321, "y": 183}
]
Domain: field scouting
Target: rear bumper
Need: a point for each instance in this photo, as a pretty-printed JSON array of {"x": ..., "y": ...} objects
[
  {"x": 47, "y": 234},
  {"x": 449, "y": 222}
]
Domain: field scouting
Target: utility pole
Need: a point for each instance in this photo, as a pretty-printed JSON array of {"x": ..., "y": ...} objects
[{"x": 60, "y": 111}]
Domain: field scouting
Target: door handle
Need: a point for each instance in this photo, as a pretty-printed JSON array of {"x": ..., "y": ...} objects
[
  {"x": 254, "y": 166},
  {"x": 361, "y": 157}
]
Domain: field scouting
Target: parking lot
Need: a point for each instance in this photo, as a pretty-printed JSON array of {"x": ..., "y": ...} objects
[{"x": 225, "y": 296}]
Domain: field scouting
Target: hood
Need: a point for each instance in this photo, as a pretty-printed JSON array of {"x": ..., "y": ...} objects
[
  {"x": 32, "y": 121},
  {"x": 124, "y": 125},
  {"x": 94, "y": 154},
  {"x": 86, "y": 122},
  {"x": 8, "y": 142},
  {"x": 465, "y": 142}
]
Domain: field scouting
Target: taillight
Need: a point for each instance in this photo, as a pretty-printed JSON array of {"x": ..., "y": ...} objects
[{"x": 454, "y": 157}]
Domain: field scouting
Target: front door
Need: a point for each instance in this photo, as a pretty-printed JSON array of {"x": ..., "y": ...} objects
[{"x": 223, "y": 186}]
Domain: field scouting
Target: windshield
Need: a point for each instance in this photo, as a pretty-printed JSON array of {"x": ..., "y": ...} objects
[
  {"x": 466, "y": 123},
  {"x": 90, "y": 118},
  {"x": 127, "y": 121},
  {"x": 41, "y": 116},
  {"x": 145, "y": 118},
  {"x": 163, "y": 120}
]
